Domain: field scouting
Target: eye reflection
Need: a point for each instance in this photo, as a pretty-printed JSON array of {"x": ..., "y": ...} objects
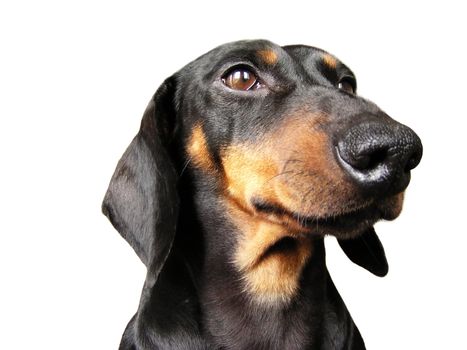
[
  {"x": 346, "y": 86},
  {"x": 241, "y": 79}
]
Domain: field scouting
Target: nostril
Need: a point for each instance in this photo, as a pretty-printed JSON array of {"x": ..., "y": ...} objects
[
  {"x": 368, "y": 160},
  {"x": 359, "y": 162},
  {"x": 377, "y": 157},
  {"x": 364, "y": 157}
]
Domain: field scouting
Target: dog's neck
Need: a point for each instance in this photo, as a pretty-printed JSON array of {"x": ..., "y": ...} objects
[{"x": 307, "y": 307}]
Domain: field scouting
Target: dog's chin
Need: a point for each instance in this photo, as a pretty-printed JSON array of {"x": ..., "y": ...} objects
[
  {"x": 348, "y": 224},
  {"x": 344, "y": 226}
]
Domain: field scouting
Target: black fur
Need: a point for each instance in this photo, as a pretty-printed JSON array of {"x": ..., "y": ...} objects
[{"x": 172, "y": 215}]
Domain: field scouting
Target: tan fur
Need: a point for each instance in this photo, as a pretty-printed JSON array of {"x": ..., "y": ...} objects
[
  {"x": 270, "y": 280},
  {"x": 268, "y": 56},
  {"x": 291, "y": 167},
  {"x": 274, "y": 169},
  {"x": 330, "y": 60},
  {"x": 197, "y": 150}
]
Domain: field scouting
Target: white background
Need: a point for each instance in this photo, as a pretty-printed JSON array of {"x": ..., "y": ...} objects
[{"x": 75, "y": 78}]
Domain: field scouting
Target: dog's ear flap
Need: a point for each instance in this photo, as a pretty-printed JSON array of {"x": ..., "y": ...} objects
[
  {"x": 142, "y": 201},
  {"x": 366, "y": 251}
]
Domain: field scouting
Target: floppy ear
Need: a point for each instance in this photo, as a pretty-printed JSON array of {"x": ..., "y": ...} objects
[
  {"x": 142, "y": 201},
  {"x": 366, "y": 251}
]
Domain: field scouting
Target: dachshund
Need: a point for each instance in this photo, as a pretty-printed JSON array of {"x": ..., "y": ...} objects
[{"x": 245, "y": 160}]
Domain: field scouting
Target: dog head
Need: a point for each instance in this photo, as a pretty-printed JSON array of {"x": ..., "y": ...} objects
[{"x": 281, "y": 137}]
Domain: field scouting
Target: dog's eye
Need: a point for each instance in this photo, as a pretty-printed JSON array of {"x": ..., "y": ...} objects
[
  {"x": 241, "y": 79},
  {"x": 347, "y": 85}
]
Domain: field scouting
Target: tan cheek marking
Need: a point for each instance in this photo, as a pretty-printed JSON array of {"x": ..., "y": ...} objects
[
  {"x": 197, "y": 149},
  {"x": 293, "y": 167},
  {"x": 258, "y": 169},
  {"x": 248, "y": 171},
  {"x": 314, "y": 182},
  {"x": 268, "y": 56},
  {"x": 330, "y": 61}
]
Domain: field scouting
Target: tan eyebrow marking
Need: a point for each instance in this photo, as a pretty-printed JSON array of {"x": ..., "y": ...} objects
[
  {"x": 268, "y": 56},
  {"x": 329, "y": 60}
]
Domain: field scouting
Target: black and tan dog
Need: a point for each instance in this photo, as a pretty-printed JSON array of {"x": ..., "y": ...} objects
[{"x": 246, "y": 158}]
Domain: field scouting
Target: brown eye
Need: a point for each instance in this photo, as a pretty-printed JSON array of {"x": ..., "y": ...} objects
[
  {"x": 241, "y": 79},
  {"x": 347, "y": 86}
]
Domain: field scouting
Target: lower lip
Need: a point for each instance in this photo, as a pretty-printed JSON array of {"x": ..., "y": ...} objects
[
  {"x": 368, "y": 215},
  {"x": 349, "y": 220}
]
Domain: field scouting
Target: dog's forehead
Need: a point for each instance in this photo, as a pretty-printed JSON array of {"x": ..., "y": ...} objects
[
  {"x": 246, "y": 49},
  {"x": 264, "y": 53},
  {"x": 312, "y": 58}
]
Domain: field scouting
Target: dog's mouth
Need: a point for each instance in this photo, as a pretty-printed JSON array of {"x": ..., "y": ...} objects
[{"x": 342, "y": 225}]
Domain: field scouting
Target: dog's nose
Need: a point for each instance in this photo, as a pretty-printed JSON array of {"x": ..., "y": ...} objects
[{"x": 379, "y": 155}]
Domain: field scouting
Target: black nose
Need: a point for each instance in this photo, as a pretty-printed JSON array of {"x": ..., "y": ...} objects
[{"x": 378, "y": 155}]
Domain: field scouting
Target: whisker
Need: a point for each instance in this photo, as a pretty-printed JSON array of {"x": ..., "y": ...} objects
[
  {"x": 301, "y": 207},
  {"x": 185, "y": 166}
]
